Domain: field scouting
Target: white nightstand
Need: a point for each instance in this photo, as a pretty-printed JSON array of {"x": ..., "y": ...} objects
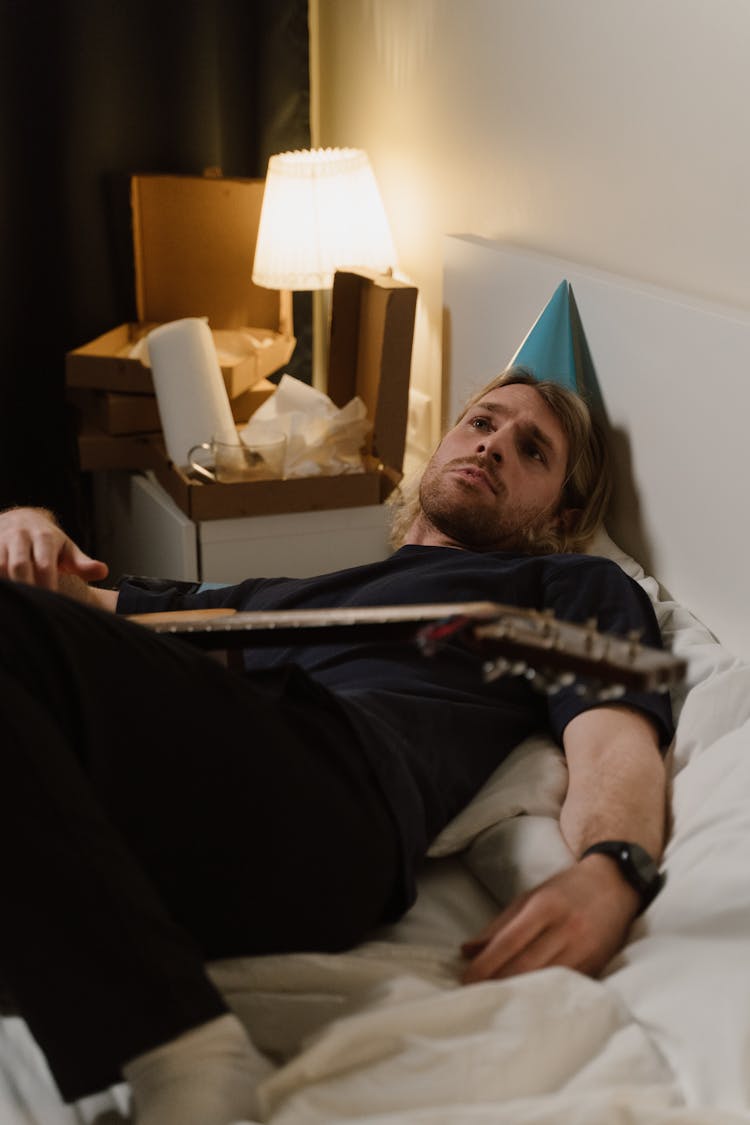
[{"x": 140, "y": 530}]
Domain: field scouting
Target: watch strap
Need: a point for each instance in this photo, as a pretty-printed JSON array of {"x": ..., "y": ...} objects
[{"x": 636, "y": 866}]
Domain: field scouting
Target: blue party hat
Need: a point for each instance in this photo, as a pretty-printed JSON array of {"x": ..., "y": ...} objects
[{"x": 556, "y": 348}]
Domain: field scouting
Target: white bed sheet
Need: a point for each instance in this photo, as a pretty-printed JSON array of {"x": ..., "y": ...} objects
[{"x": 386, "y": 1034}]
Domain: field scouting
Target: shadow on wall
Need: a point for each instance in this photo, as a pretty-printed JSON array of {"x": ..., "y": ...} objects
[
  {"x": 625, "y": 520},
  {"x": 445, "y": 374},
  {"x": 402, "y": 36}
]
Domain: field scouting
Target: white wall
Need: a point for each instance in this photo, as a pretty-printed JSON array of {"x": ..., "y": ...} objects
[{"x": 613, "y": 132}]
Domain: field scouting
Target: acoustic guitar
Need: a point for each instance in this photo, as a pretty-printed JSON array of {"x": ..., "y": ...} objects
[{"x": 550, "y": 653}]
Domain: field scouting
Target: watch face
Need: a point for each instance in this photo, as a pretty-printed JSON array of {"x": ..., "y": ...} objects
[
  {"x": 635, "y": 865},
  {"x": 643, "y": 863}
]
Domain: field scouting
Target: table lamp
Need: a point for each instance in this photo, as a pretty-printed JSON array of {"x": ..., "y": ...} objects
[{"x": 321, "y": 211}]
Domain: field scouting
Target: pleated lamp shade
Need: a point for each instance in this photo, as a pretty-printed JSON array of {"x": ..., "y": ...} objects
[{"x": 321, "y": 212}]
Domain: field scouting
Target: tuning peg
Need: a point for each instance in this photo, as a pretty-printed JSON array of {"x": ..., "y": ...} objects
[
  {"x": 611, "y": 691},
  {"x": 494, "y": 669},
  {"x": 548, "y": 623},
  {"x": 555, "y": 683},
  {"x": 543, "y": 682},
  {"x": 589, "y": 639},
  {"x": 633, "y": 638}
]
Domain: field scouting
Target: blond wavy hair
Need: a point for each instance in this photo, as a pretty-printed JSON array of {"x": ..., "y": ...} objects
[{"x": 587, "y": 485}]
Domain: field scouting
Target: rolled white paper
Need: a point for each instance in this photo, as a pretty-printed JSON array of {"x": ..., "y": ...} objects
[{"x": 190, "y": 392}]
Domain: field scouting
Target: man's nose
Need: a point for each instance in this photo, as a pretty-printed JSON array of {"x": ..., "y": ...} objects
[{"x": 492, "y": 446}]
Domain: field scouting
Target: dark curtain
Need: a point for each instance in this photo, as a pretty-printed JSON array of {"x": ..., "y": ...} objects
[{"x": 92, "y": 91}]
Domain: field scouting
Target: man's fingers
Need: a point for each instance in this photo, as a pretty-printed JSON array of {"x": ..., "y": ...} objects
[
  {"x": 514, "y": 932},
  {"x": 34, "y": 549},
  {"x": 473, "y": 945},
  {"x": 49, "y": 556},
  {"x": 32, "y": 561},
  {"x": 36, "y": 557},
  {"x": 495, "y": 962},
  {"x": 74, "y": 561}
]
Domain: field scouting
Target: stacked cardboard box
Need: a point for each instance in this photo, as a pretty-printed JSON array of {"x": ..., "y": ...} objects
[{"x": 194, "y": 243}]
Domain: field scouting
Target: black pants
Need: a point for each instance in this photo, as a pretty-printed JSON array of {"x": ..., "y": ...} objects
[{"x": 159, "y": 811}]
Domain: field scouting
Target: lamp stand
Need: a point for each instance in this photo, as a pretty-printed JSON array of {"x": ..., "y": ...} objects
[{"x": 321, "y": 327}]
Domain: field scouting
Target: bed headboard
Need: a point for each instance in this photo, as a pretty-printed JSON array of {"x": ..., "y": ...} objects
[{"x": 674, "y": 373}]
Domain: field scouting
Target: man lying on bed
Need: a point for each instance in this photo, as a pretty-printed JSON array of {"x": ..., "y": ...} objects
[{"x": 150, "y": 791}]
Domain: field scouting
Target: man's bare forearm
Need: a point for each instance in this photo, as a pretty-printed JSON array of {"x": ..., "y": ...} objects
[{"x": 617, "y": 788}]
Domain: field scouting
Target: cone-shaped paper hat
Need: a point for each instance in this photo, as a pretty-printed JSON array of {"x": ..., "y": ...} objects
[{"x": 555, "y": 347}]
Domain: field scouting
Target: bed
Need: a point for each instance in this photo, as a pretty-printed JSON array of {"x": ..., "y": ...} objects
[{"x": 384, "y": 1034}]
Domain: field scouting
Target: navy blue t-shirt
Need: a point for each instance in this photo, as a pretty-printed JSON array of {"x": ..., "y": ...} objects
[{"x": 432, "y": 730}]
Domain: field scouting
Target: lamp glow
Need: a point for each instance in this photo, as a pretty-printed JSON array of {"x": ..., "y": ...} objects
[{"x": 321, "y": 212}]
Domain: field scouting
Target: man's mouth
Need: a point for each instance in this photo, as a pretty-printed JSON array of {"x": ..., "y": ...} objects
[{"x": 476, "y": 474}]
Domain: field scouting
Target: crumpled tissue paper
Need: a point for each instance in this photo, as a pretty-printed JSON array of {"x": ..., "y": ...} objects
[{"x": 321, "y": 438}]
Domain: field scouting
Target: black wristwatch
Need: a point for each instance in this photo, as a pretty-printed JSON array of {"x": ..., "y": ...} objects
[{"x": 636, "y": 866}]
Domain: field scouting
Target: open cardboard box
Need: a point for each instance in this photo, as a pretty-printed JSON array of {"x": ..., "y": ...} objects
[
  {"x": 107, "y": 363},
  {"x": 194, "y": 244},
  {"x": 372, "y": 330},
  {"x": 110, "y": 412}
]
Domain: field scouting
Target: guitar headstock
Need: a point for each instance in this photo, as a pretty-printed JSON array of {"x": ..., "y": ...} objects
[{"x": 552, "y": 654}]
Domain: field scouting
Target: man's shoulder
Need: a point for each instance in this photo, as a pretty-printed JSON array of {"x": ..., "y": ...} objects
[
  {"x": 594, "y": 570},
  {"x": 583, "y": 586},
  {"x": 536, "y": 566},
  {"x": 585, "y": 562},
  {"x": 563, "y": 564}
]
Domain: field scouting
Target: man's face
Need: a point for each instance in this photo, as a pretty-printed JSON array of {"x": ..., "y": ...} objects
[{"x": 499, "y": 473}]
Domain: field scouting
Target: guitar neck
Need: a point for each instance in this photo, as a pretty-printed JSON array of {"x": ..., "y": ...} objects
[{"x": 511, "y": 641}]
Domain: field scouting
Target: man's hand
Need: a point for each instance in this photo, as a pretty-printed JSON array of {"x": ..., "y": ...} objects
[
  {"x": 579, "y": 919},
  {"x": 34, "y": 550}
]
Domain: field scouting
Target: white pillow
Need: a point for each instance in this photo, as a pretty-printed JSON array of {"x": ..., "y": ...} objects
[
  {"x": 516, "y": 855},
  {"x": 532, "y": 780},
  {"x": 606, "y": 548}
]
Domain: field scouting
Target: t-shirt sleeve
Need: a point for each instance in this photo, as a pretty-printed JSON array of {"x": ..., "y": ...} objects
[
  {"x": 159, "y": 595},
  {"x": 598, "y": 589}
]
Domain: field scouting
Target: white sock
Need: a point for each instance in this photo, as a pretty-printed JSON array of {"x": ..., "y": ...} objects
[{"x": 207, "y": 1076}]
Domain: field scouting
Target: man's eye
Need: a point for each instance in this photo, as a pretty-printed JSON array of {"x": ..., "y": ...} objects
[
  {"x": 535, "y": 453},
  {"x": 480, "y": 423}
]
